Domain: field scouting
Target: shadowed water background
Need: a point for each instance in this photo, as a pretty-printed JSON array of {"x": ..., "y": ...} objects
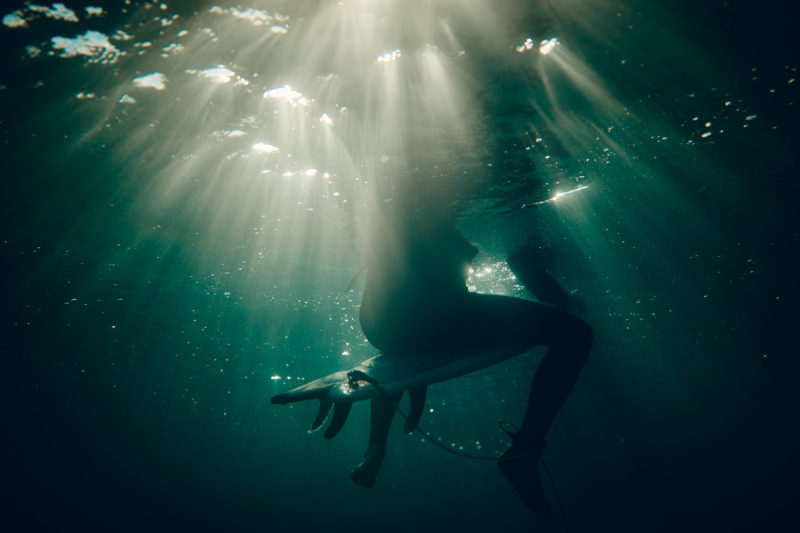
[{"x": 187, "y": 188}]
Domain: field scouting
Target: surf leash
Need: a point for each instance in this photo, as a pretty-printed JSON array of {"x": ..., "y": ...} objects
[{"x": 357, "y": 375}]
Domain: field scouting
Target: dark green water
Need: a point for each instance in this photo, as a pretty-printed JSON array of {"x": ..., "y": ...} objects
[{"x": 174, "y": 256}]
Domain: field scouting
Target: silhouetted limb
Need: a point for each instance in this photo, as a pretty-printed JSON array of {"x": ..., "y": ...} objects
[
  {"x": 340, "y": 412},
  {"x": 556, "y": 375},
  {"x": 381, "y": 414},
  {"x": 416, "y": 399},
  {"x": 520, "y": 465}
]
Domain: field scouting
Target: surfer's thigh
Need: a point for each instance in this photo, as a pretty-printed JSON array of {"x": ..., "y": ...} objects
[{"x": 491, "y": 321}]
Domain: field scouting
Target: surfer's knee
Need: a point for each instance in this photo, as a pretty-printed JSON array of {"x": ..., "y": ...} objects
[
  {"x": 582, "y": 330},
  {"x": 583, "y": 336},
  {"x": 573, "y": 334}
]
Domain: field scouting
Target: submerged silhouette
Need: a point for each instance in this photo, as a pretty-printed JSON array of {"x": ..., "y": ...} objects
[
  {"x": 416, "y": 301},
  {"x": 418, "y": 311}
]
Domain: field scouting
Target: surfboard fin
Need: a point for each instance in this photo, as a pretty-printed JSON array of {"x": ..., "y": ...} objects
[
  {"x": 340, "y": 412},
  {"x": 416, "y": 398},
  {"x": 324, "y": 408}
]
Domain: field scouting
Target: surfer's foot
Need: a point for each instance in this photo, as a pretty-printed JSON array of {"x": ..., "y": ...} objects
[
  {"x": 367, "y": 471},
  {"x": 519, "y": 464}
]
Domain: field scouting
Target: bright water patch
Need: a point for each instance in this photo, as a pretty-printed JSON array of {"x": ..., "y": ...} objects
[
  {"x": 388, "y": 57},
  {"x": 95, "y": 11},
  {"x": 263, "y": 148},
  {"x": 288, "y": 95},
  {"x": 57, "y": 11},
  {"x": 93, "y": 44},
  {"x": 14, "y": 20},
  {"x": 154, "y": 80},
  {"x": 278, "y": 23}
]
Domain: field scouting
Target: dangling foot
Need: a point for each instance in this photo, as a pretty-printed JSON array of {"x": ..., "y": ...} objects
[
  {"x": 367, "y": 471},
  {"x": 519, "y": 464}
]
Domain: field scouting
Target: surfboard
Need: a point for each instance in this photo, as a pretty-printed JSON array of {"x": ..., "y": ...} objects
[{"x": 393, "y": 374}]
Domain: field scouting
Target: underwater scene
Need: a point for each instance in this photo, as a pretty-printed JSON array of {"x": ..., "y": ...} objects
[{"x": 191, "y": 192}]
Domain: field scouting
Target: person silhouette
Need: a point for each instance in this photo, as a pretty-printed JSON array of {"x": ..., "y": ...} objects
[{"x": 416, "y": 301}]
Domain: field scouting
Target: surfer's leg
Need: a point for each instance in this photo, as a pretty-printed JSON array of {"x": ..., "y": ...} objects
[
  {"x": 569, "y": 340},
  {"x": 521, "y": 468},
  {"x": 491, "y": 322},
  {"x": 519, "y": 325},
  {"x": 499, "y": 322},
  {"x": 380, "y": 419}
]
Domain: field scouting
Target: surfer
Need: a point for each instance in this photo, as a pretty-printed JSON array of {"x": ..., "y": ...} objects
[{"x": 416, "y": 301}]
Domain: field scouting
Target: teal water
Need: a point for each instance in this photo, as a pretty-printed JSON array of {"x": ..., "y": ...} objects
[{"x": 188, "y": 188}]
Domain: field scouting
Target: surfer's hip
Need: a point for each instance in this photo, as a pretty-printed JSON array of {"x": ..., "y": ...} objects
[{"x": 413, "y": 326}]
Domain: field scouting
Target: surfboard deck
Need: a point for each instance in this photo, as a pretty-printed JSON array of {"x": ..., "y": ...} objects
[{"x": 394, "y": 373}]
